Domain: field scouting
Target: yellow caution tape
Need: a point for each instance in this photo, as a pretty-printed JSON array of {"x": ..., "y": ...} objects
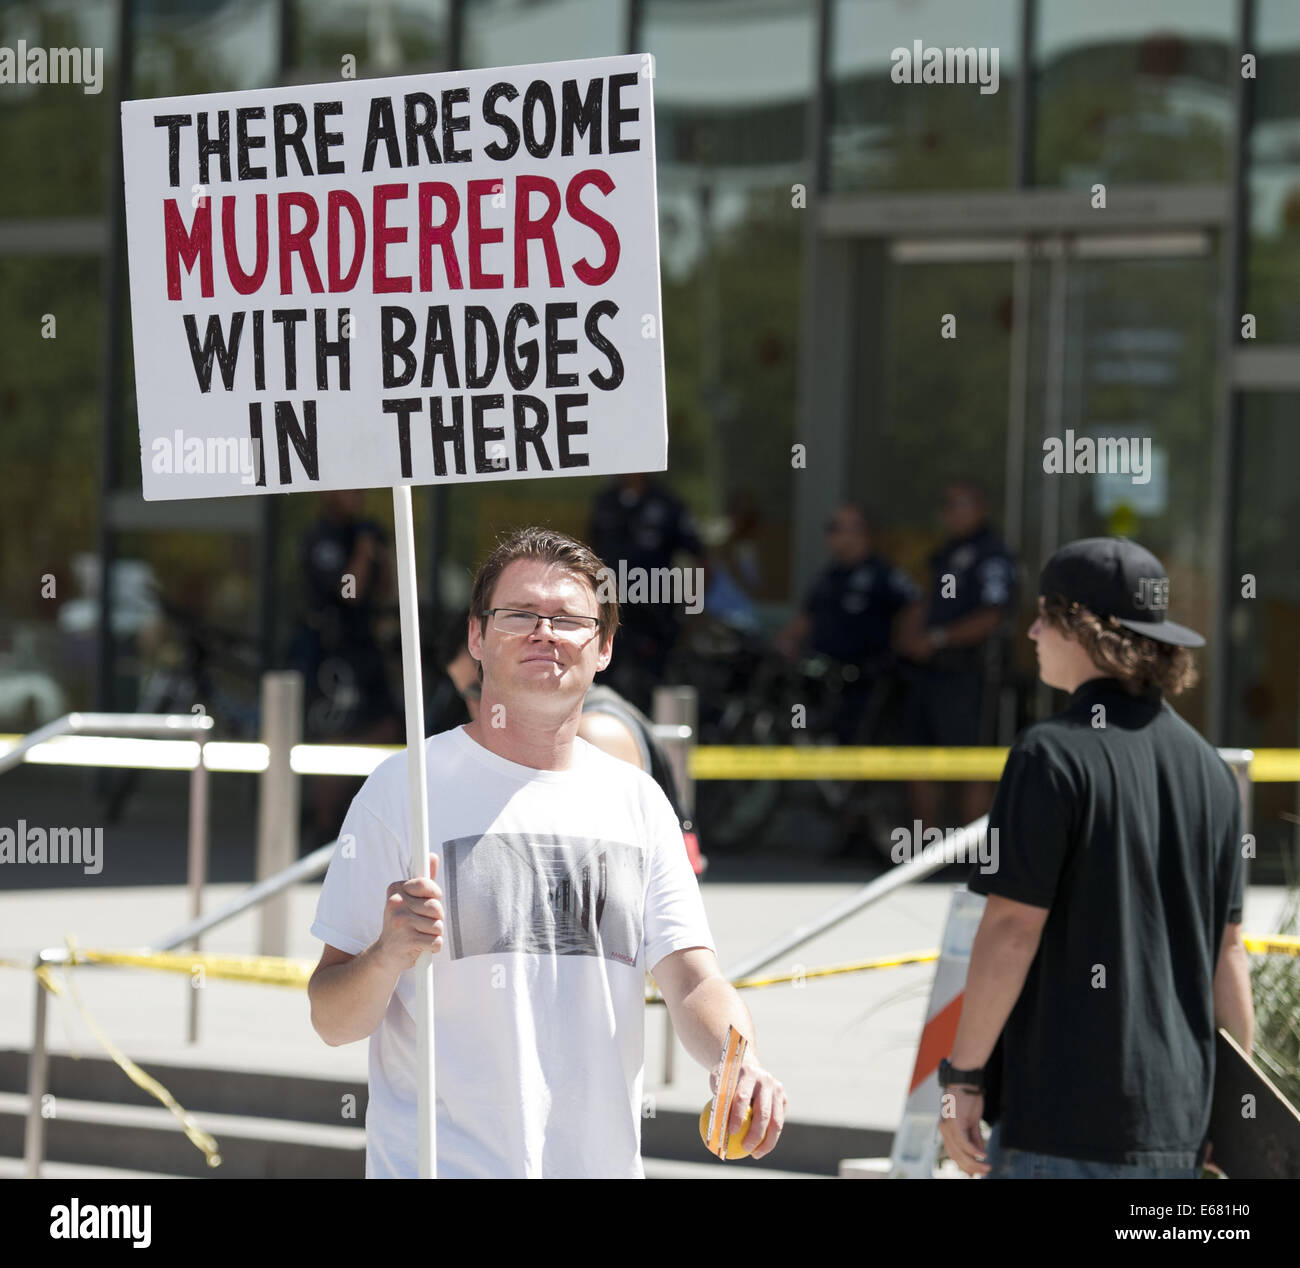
[
  {"x": 828, "y": 970},
  {"x": 273, "y": 970},
  {"x": 832, "y": 970},
  {"x": 1275, "y": 766},
  {"x": 1272, "y": 944},
  {"x": 196, "y": 1134},
  {"x": 1276, "y": 944},
  {"x": 270, "y": 970},
  {"x": 718, "y": 761},
  {"x": 758, "y": 762}
]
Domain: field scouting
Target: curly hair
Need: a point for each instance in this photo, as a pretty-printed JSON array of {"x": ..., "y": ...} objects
[
  {"x": 1139, "y": 663},
  {"x": 550, "y": 547}
]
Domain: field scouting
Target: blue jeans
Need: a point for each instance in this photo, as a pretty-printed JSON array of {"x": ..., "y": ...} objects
[{"x": 1019, "y": 1164}]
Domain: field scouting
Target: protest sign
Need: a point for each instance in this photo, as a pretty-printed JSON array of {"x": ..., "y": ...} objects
[{"x": 433, "y": 278}]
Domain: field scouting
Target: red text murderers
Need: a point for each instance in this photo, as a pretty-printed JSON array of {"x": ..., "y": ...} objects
[{"x": 446, "y": 227}]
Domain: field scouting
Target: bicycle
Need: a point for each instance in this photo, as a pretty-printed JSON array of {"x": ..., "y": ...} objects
[{"x": 750, "y": 695}]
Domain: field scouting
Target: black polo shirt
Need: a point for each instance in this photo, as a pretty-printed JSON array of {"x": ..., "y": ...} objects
[
  {"x": 853, "y": 606},
  {"x": 983, "y": 576},
  {"x": 1122, "y": 821},
  {"x": 647, "y": 529},
  {"x": 980, "y": 573}
]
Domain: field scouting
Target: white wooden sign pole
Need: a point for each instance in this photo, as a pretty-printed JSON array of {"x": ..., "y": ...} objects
[{"x": 413, "y": 690}]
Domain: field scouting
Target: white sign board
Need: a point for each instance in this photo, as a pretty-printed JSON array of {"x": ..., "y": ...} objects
[{"x": 426, "y": 279}]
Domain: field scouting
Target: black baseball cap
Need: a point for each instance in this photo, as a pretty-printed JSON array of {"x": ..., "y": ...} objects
[{"x": 1112, "y": 576}]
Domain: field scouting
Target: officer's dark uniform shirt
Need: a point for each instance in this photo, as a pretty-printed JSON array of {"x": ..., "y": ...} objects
[
  {"x": 852, "y": 607},
  {"x": 342, "y": 629},
  {"x": 983, "y": 575},
  {"x": 1123, "y": 822},
  {"x": 327, "y": 549},
  {"x": 646, "y": 532}
]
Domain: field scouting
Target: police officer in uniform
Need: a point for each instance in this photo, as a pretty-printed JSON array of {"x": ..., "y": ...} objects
[
  {"x": 849, "y": 613},
  {"x": 949, "y": 638},
  {"x": 1110, "y": 948},
  {"x": 638, "y": 520}
]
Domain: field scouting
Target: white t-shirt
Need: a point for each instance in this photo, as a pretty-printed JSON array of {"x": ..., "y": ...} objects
[{"x": 560, "y": 888}]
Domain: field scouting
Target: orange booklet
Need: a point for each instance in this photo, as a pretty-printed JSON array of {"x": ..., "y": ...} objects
[{"x": 733, "y": 1054}]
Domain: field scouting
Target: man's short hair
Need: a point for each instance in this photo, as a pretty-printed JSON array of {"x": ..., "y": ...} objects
[
  {"x": 548, "y": 547},
  {"x": 1137, "y": 662}
]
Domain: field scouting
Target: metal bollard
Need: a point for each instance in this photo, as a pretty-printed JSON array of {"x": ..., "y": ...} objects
[
  {"x": 38, "y": 1070},
  {"x": 279, "y": 802},
  {"x": 198, "y": 866},
  {"x": 677, "y": 706},
  {"x": 1239, "y": 760}
]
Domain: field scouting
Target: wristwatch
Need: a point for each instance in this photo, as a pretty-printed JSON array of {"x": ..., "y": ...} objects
[{"x": 950, "y": 1075}]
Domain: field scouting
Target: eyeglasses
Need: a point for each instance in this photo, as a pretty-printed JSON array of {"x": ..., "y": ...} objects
[{"x": 514, "y": 621}]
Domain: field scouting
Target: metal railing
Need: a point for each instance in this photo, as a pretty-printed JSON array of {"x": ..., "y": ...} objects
[
  {"x": 304, "y": 869},
  {"x": 958, "y": 846},
  {"x": 114, "y": 725},
  {"x": 146, "y": 726}
]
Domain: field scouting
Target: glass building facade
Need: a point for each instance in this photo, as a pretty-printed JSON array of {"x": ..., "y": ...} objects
[{"x": 1100, "y": 227}]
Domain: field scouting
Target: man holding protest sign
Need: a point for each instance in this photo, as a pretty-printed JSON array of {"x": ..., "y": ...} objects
[
  {"x": 559, "y": 878},
  {"x": 428, "y": 279}
]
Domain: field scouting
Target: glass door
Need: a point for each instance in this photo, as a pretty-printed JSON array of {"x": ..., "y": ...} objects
[
  {"x": 1123, "y": 393},
  {"x": 1074, "y": 377}
]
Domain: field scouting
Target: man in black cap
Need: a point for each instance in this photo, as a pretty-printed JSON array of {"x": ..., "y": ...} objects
[{"x": 1110, "y": 947}]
